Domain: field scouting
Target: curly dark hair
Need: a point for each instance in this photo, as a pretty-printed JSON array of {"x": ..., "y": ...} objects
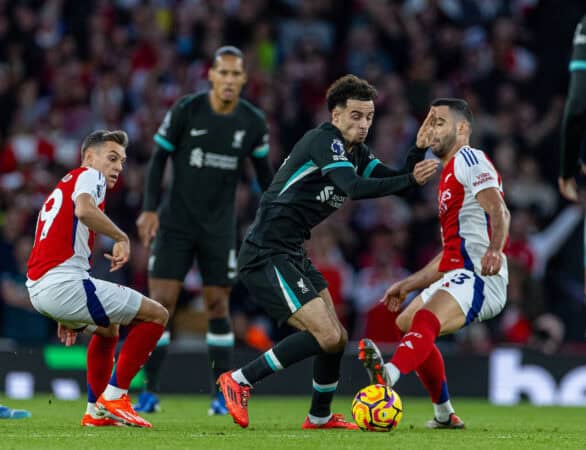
[{"x": 349, "y": 87}]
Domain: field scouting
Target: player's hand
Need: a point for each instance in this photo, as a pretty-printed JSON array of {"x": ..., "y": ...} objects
[
  {"x": 147, "y": 224},
  {"x": 120, "y": 254},
  {"x": 424, "y": 170},
  {"x": 425, "y": 133},
  {"x": 568, "y": 188},
  {"x": 491, "y": 262},
  {"x": 67, "y": 336},
  {"x": 394, "y": 296}
]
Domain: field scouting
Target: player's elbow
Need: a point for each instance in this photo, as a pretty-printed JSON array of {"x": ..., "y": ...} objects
[{"x": 83, "y": 211}]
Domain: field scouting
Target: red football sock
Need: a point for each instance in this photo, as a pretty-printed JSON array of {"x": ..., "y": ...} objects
[
  {"x": 100, "y": 361},
  {"x": 415, "y": 346},
  {"x": 432, "y": 374},
  {"x": 137, "y": 348}
]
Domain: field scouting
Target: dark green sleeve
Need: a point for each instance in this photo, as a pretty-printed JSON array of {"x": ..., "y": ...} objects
[
  {"x": 154, "y": 176},
  {"x": 260, "y": 155},
  {"x": 169, "y": 132},
  {"x": 356, "y": 187},
  {"x": 376, "y": 169},
  {"x": 574, "y": 120}
]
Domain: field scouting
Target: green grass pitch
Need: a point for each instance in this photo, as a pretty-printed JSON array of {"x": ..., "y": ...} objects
[{"x": 275, "y": 424}]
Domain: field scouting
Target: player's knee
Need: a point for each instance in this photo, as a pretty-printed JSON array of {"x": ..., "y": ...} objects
[
  {"x": 217, "y": 307},
  {"x": 343, "y": 338},
  {"x": 330, "y": 340},
  {"x": 216, "y": 301},
  {"x": 160, "y": 314},
  {"x": 403, "y": 321}
]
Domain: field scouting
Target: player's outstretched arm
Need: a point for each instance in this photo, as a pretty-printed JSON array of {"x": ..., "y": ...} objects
[
  {"x": 492, "y": 202},
  {"x": 357, "y": 187},
  {"x": 95, "y": 219}
]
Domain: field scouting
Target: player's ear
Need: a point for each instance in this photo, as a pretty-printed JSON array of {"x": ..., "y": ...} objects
[{"x": 336, "y": 112}]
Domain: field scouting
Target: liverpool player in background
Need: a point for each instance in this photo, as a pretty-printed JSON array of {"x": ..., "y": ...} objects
[{"x": 208, "y": 137}]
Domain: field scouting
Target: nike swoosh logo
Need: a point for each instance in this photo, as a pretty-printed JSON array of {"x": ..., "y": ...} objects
[{"x": 195, "y": 132}]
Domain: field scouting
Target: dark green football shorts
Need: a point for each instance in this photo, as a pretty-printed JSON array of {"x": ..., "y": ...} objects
[{"x": 279, "y": 282}]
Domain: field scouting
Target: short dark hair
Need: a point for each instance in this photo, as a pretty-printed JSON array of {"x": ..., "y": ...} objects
[
  {"x": 349, "y": 87},
  {"x": 458, "y": 105},
  {"x": 228, "y": 50},
  {"x": 99, "y": 137}
]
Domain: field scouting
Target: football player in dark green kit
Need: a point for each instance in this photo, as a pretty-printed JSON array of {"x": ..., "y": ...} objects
[
  {"x": 208, "y": 136},
  {"x": 574, "y": 122},
  {"x": 329, "y": 164}
]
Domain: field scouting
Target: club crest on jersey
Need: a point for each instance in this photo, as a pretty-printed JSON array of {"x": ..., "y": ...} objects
[
  {"x": 337, "y": 147},
  {"x": 66, "y": 178},
  {"x": 444, "y": 196},
  {"x": 238, "y": 137}
]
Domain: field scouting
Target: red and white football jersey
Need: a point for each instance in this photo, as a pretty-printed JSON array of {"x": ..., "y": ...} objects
[
  {"x": 464, "y": 224},
  {"x": 63, "y": 244}
]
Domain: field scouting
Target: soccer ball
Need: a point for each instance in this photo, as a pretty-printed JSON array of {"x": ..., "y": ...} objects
[{"x": 377, "y": 408}]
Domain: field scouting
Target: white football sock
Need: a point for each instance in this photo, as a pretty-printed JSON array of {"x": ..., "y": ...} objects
[
  {"x": 113, "y": 392},
  {"x": 319, "y": 420},
  {"x": 443, "y": 410},
  {"x": 239, "y": 377},
  {"x": 93, "y": 411},
  {"x": 392, "y": 374}
]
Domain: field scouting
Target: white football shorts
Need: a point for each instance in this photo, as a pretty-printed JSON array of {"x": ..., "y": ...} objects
[
  {"x": 481, "y": 298},
  {"x": 79, "y": 303}
]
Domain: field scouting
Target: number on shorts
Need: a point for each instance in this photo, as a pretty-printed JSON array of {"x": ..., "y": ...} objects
[
  {"x": 460, "y": 278},
  {"x": 49, "y": 216}
]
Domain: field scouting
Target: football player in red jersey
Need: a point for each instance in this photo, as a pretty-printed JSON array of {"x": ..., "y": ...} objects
[
  {"x": 467, "y": 281},
  {"x": 60, "y": 286}
]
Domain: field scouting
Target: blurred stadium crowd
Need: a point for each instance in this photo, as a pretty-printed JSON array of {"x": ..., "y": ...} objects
[{"x": 68, "y": 67}]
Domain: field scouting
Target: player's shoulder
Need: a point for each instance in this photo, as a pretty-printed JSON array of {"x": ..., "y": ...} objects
[
  {"x": 469, "y": 156},
  {"x": 88, "y": 173},
  {"x": 190, "y": 101},
  {"x": 251, "y": 111},
  {"x": 325, "y": 133}
]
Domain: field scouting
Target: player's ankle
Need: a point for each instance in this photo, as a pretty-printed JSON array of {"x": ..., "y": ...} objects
[
  {"x": 391, "y": 373},
  {"x": 113, "y": 392},
  {"x": 239, "y": 377}
]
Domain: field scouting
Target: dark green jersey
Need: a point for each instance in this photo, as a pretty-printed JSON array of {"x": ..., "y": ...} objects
[
  {"x": 208, "y": 150},
  {"x": 574, "y": 120},
  {"x": 313, "y": 182}
]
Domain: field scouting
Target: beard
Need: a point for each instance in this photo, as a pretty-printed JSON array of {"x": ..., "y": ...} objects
[{"x": 445, "y": 145}]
